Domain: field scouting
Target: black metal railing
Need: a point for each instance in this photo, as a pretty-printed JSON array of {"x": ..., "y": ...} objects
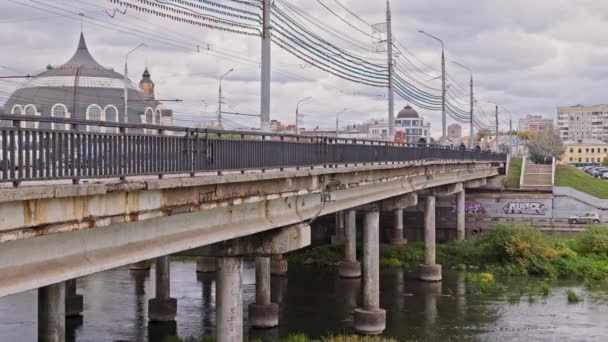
[{"x": 120, "y": 150}]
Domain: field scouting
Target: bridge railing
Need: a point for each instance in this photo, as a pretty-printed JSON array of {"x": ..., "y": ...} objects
[{"x": 31, "y": 153}]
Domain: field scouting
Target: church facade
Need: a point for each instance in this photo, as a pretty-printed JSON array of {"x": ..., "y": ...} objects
[{"x": 83, "y": 89}]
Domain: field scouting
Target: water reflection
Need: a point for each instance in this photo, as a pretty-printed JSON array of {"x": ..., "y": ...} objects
[{"x": 314, "y": 301}]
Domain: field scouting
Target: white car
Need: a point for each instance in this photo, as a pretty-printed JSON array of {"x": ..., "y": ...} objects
[
  {"x": 588, "y": 217},
  {"x": 605, "y": 175}
]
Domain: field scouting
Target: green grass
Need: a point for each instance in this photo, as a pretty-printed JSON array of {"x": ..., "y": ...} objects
[
  {"x": 573, "y": 297},
  {"x": 514, "y": 173},
  {"x": 572, "y": 177}
]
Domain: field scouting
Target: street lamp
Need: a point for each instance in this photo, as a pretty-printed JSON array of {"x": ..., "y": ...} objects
[
  {"x": 219, "y": 106},
  {"x": 472, "y": 103},
  {"x": 126, "y": 82},
  {"x": 298, "y": 113},
  {"x": 338, "y": 120},
  {"x": 443, "y": 92}
]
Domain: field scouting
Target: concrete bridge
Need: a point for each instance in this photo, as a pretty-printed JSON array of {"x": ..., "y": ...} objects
[{"x": 80, "y": 202}]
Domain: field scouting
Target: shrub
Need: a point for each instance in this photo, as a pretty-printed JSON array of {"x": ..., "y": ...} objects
[
  {"x": 573, "y": 298},
  {"x": 594, "y": 240}
]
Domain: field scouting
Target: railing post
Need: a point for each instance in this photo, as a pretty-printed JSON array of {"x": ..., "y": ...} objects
[
  {"x": 15, "y": 146},
  {"x": 123, "y": 154}
]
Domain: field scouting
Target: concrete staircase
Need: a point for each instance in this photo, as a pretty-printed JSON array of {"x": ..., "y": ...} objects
[{"x": 537, "y": 177}]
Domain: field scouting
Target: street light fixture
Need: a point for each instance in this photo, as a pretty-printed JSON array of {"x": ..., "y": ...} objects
[
  {"x": 472, "y": 103},
  {"x": 219, "y": 106},
  {"x": 298, "y": 113},
  {"x": 443, "y": 91},
  {"x": 126, "y": 82}
]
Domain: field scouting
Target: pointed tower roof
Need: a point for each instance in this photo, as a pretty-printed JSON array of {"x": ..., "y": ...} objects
[{"x": 82, "y": 56}]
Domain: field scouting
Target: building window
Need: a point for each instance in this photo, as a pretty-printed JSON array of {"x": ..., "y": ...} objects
[
  {"x": 30, "y": 110},
  {"x": 157, "y": 116},
  {"x": 111, "y": 113},
  {"x": 17, "y": 110},
  {"x": 592, "y": 150},
  {"x": 571, "y": 150},
  {"x": 149, "y": 118},
  {"x": 94, "y": 113},
  {"x": 60, "y": 111}
]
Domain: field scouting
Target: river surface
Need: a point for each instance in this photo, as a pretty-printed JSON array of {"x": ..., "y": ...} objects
[{"x": 316, "y": 302}]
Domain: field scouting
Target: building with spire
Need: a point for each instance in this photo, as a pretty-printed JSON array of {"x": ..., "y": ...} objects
[{"x": 83, "y": 89}]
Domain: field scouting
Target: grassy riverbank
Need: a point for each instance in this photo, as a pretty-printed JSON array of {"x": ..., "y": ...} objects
[
  {"x": 572, "y": 177},
  {"x": 296, "y": 338},
  {"x": 504, "y": 249}
]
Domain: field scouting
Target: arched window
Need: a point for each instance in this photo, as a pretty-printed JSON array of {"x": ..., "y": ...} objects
[
  {"x": 60, "y": 111},
  {"x": 149, "y": 116},
  {"x": 30, "y": 110},
  {"x": 17, "y": 110},
  {"x": 111, "y": 113},
  {"x": 157, "y": 116},
  {"x": 94, "y": 113}
]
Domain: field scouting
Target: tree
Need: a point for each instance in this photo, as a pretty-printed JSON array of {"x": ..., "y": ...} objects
[
  {"x": 545, "y": 146},
  {"x": 605, "y": 162},
  {"x": 526, "y": 135}
]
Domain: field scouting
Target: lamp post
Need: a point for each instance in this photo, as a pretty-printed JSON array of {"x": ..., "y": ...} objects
[
  {"x": 443, "y": 92},
  {"x": 298, "y": 113},
  {"x": 126, "y": 82},
  {"x": 219, "y": 103},
  {"x": 472, "y": 104}
]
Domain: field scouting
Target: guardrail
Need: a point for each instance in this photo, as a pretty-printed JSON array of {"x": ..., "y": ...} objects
[{"x": 77, "y": 152}]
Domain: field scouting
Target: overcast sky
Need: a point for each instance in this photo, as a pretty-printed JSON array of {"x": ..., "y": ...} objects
[{"x": 529, "y": 56}]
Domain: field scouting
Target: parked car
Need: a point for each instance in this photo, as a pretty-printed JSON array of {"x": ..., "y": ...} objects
[
  {"x": 591, "y": 169},
  {"x": 605, "y": 175},
  {"x": 586, "y": 168},
  {"x": 588, "y": 217},
  {"x": 599, "y": 171}
]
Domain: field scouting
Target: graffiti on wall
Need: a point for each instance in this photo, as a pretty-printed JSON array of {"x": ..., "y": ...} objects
[
  {"x": 471, "y": 208},
  {"x": 524, "y": 208}
]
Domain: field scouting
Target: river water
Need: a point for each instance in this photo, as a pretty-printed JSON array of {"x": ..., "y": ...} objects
[{"x": 316, "y": 302}]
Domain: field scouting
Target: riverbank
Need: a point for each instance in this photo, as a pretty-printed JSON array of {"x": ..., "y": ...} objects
[
  {"x": 296, "y": 338},
  {"x": 503, "y": 250}
]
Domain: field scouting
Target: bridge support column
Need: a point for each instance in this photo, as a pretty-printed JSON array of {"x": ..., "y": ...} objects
[
  {"x": 429, "y": 271},
  {"x": 206, "y": 264},
  {"x": 460, "y": 216},
  {"x": 229, "y": 300},
  {"x": 278, "y": 265},
  {"x": 51, "y": 313},
  {"x": 370, "y": 319},
  {"x": 140, "y": 266},
  {"x": 397, "y": 238},
  {"x": 163, "y": 308},
  {"x": 73, "y": 301},
  {"x": 338, "y": 238},
  {"x": 263, "y": 313},
  {"x": 350, "y": 267}
]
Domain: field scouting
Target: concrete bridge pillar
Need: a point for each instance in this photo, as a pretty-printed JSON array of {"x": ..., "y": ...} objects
[
  {"x": 51, "y": 313},
  {"x": 205, "y": 264},
  {"x": 229, "y": 300},
  {"x": 397, "y": 238},
  {"x": 429, "y": 271},
  {"x": 278, "y": 265},
  {"x": 73, "y": 301},
  {"x": 140, "y": 266},
  {"x": 339, "y": 238},
  {"x": 263, "y": 313},
  {"x": 460, "y": 216},
  {"x": 370, "y": 319},
  {"x": 162, "y": 308},
  {"x": 350, "y": 267}
]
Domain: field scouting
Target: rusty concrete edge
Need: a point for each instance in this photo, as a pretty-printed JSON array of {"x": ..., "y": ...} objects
[{"x": 25, "y": 192}]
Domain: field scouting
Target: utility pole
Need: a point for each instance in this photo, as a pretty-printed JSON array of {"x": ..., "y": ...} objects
[
  {"x": 266, "y": 53},
  {"x": 298, "y": 113},
  {"x": 471, "y": 128},
  {"x": 391, "y": 98},
  {"x": 510, "y": 135},
  {"x": 497, "y": 129}
]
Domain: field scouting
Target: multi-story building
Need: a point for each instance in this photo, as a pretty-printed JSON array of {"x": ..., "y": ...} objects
[
  {"x": 408, "y": 124},
  {"x": 534, "y": 123},
  {"x": 585, "y": 151},
  {"x": 454, "y": 132},
  {"x": 582, "y": 122}
]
